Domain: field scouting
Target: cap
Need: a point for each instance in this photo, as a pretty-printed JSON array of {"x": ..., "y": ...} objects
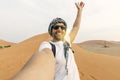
[{"x": 54, "y": 22}]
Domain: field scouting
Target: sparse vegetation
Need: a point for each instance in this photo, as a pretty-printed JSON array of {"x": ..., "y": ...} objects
[
  {"x": 1, "y": 47},
  {"x": 7, "y": 46},
  {"x": 105, "y": 44}
]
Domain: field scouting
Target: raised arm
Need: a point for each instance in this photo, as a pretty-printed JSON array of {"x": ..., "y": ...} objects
[{"x": 76, "y": 24}]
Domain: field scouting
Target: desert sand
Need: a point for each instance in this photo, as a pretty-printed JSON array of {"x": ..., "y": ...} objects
[
  {"x": 91, "y": 65},
  {"x": 102, "y": 47},
  {"x": 14, "y": 58}
]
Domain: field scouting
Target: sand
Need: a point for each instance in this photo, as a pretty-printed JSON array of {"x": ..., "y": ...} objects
[
  {"x": 15, "y": 57},
  {"x": 91, "y": 65}
]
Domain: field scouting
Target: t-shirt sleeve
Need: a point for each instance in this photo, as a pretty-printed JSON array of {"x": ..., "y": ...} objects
[{"x": 44, "y": 45}]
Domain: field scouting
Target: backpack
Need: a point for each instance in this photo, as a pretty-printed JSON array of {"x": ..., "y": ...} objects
[{"x": 66, "y": 47}]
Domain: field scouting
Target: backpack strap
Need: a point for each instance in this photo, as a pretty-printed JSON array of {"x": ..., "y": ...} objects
[
  {"x": 67, "y": 46},
  {"x": 53, "y": 49}
]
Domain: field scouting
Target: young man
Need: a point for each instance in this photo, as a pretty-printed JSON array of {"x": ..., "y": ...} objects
[{"x": 65, "y": 68}]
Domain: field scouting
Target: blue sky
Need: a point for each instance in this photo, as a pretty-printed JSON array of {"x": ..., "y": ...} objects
[{"x": 22, "y": 19}]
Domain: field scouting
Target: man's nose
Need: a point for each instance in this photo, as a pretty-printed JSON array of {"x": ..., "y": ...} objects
[{"x": 59, "y": 28}]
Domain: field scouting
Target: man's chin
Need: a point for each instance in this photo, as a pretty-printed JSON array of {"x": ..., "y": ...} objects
[{"x": 58, "y": 38}]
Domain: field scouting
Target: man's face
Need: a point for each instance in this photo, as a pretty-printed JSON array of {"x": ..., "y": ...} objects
[{"x": 58, "y": 32}]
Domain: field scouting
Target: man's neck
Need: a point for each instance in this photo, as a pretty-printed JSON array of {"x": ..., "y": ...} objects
[{"x": 54, "y": 40}]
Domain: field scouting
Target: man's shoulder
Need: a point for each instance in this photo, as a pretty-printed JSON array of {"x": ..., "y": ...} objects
[{"x": 44, "y": 44}]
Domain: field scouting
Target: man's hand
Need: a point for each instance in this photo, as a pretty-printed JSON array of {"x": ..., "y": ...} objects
[{"x": 79, "y": 5}]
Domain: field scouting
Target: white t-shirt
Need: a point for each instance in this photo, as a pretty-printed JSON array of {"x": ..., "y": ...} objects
[{"x": 60, "y": 70}]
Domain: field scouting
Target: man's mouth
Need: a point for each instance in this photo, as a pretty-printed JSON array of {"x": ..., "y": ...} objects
[{"x": 58, "y": 33}]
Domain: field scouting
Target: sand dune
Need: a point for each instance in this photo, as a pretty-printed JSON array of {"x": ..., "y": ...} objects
[
  {"x": 92, "y": 66},
  {"x": 14, "y": 58},
  {"x": 5, "y": 44},
  {"x": 99, "y": 42},
  {"x": 102, "y": 47}
]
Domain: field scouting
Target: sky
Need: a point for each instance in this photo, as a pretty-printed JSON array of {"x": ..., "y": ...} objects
[{"x": 23, "y": 19}]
